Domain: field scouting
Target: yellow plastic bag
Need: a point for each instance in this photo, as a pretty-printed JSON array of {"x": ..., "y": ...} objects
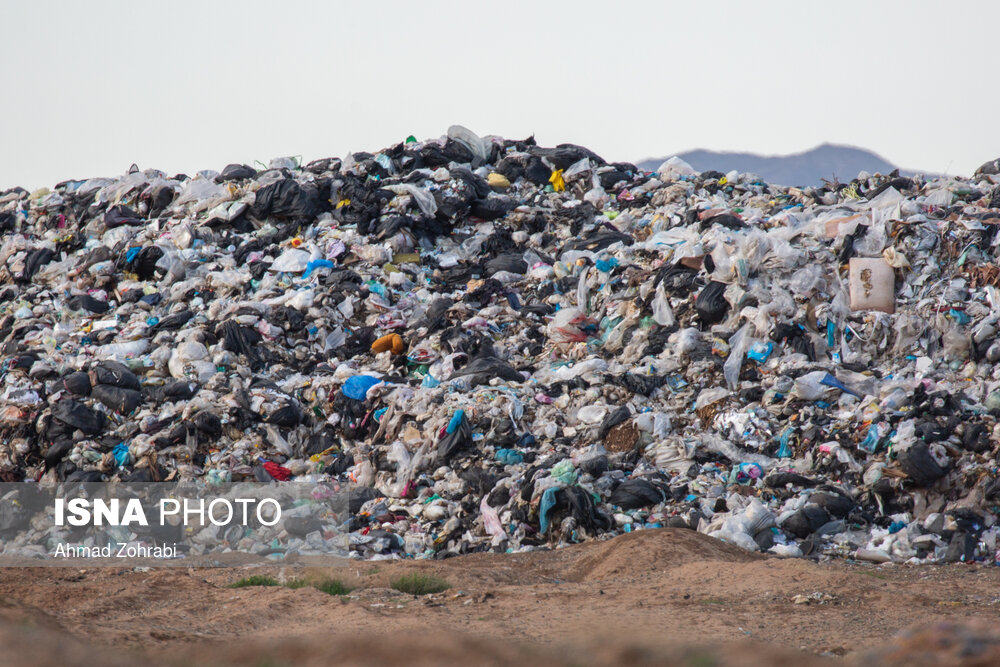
[{"x": 556, "y": 179}]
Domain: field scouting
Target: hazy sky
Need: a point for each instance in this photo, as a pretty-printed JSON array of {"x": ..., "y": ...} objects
[{"x": 90, "y": 87}]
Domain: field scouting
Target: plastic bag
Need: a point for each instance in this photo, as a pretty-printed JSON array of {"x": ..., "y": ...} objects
[
  {"x": 810, "y": 387},
  {"x": 674, "y": 168},
  {"x": 571, "y": 325},
  {"x": 291, "y": 261},
  {"x": 709, "y": 396},
  {"x": 79, "y": 416},
  {"x": 809, "y": 279},
  {"x": 582, "y": 291},
  {"x": 711, "y": 303},
  {"x": 458, "y": 436},
  {"x": 479, "y": 147},
  {"x": 635, "y": 493},
  {"x": 662, "y": 313},
  {"x": 738, "y": 346},
  {"x": 357, "y": 387}
]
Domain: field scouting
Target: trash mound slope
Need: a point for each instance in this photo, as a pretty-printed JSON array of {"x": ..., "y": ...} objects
[{"x": 500, "y": 346}]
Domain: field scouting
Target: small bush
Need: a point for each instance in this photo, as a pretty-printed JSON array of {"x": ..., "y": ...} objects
[
  {"x": 328, "y": 586},
  {"x": 420, "y": 584},
  {"x": 255, "y": 580},
  {"x": 332, "y": 587}
]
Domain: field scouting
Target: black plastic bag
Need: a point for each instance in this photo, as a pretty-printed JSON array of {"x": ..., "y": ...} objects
[
  {"x": 319, "y": 442},
  {"x": 144, "y": 262},
  {"x": 158, "y": 199},
  {"x": 435, "y": 316},
  {"x": 565, "y": 155},
  {"x": 79, "y": 416},
  {"x": 236, "y": 172},
  {"x": 614, "y": 418},
  {"x": 483, "y": 294},
  {"x": 492, "y": 208},
  {"x": 174, "y": 390},
  {"x": 806, "y": 521},
  {"x": 456, "y": 151},
  {"x": 847, "y": 251},
  {"x": 286, "y": 416},
  {"x": 324, "y": 164},
  {"x": 116, "y": 216},
  {"x": 457, "y": 440},
  {"x": 796, "y": 338},
  {"x": 208, "y": 423},
  {"x": 77, "y": 383},
  {"x": 34, "y": 261},
  {"x": 511, "y": 263},
  {"x": 595, "y": 466},
  {"x": 917, "y": 462},
  {"x": 85, "y": 476},
  {"x": 635, "y": 493},
  {"x": 580, "y": 504},
  {"x": 287, "y": 199},
  {"x": 511, "y": 167},
  {"x": 483, "y": 369},
  {"x": 7, "y": 222},
  {"x": 174, "y": 321},
  {"x": 901, "y": 183},
  {"x": 727, "y": 220},
  {"x": 598, "y": 241},
  {"x": 835, "y": 504},
  {"x": 240, "y": 339},
  {"x": 711, "y": 303},
  {"x": 612, "y": 177},
  {"x": 56, "y": 452},
  {"x": 359, "y": 496},
  {"x": 116, "y": 374},
  {"x": 88, "y": 303},
  {"x": 644, "y": 385},
  {"x": 536, "y": 172},
  {"x": 476, "y": 183},
  {"x": 119, "y": 399}
]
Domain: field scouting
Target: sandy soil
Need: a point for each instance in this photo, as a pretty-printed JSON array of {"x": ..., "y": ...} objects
[{"x": 653, "y": 597}]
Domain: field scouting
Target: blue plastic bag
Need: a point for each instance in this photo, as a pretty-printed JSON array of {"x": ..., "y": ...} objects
[
  {"x": 357, "y": 387},
  {"x": 316, "y": 264}
]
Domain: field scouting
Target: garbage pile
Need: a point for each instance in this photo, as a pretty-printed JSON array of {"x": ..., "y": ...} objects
[{"x": 500, "y": 346}]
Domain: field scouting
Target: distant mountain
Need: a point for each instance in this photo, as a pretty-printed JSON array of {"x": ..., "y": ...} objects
[{"x": 827, "y": 161}]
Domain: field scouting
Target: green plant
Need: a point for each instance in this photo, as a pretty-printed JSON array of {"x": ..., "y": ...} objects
[
  {"x": 420, "y": 584},
  {"x": 255, "y": 580},
  {"x": 332, "y": 587},
  {"x": 328, "y": 586}
]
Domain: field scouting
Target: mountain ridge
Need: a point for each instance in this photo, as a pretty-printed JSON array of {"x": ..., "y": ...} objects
[{"x": 810, "y": 167}]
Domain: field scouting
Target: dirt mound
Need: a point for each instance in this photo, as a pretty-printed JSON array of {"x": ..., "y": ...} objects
[
  {"x": 33, "y": 641},
  {"x": 28, "y": 645},
  {"x": 639, "y": 553},
  {"x": 413, "y": 650},
  {"x": 653, "y": 597},
  {"x": 974, "y": 644}
]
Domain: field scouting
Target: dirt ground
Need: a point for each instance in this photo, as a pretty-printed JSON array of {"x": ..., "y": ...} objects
[{"x": 653, "y": 597}]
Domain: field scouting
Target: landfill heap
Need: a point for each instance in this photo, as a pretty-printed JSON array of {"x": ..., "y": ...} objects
[{"x": 500, "y": 346}]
